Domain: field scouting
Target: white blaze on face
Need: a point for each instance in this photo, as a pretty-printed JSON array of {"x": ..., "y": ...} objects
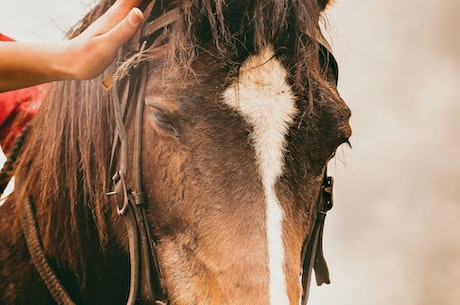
[{"x": 265, "y": 100}]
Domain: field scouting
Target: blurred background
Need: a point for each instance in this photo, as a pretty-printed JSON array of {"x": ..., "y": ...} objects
[{"x": 393, "y": 236}]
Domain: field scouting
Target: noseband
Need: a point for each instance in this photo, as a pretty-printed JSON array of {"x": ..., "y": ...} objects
[{"x": 146, "y": 276}]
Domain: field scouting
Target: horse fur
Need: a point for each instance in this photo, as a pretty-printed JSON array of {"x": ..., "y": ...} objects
[{"x": 65, "y": 164}]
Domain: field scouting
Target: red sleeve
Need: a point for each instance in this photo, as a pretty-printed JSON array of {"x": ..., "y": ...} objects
[
  {"x": 5, "y": 38},
  {"x": 17, "y": 108}
]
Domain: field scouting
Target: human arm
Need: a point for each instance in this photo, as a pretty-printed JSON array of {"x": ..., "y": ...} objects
[{"x": 83, "y": 57}]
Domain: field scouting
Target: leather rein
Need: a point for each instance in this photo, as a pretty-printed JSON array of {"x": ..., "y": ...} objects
[{"x": 145, "y": 273}]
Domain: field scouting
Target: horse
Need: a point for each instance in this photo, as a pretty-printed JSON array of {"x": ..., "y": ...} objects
[{"x": 193, "y": 176}]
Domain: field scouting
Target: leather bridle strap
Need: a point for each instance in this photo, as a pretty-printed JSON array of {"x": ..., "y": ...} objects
[
  {"x": 164, "y": 20},
  {"x": 6, "y": 173},
  {"x": 144, "y": 286},
  {"x": 312, "y": 250},
  {"x": 38, "y": 258}
]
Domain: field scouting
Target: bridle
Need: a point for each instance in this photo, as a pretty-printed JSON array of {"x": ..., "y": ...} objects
[
  {"x": 145, "y": 273},
  {"x": 312, "y": 249}
]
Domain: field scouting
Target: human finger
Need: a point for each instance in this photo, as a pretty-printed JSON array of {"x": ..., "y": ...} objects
[
  {"x": 126, "y": 28},
  {"x": 117, "y": 12}
]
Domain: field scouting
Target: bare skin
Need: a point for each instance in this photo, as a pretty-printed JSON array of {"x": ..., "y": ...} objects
[{"x": 83, "y": 57}]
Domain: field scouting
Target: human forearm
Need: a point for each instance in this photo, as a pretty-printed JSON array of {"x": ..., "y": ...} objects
[
  {"x": 83, "y": 57},
  {"x": 28, "y": 64}
]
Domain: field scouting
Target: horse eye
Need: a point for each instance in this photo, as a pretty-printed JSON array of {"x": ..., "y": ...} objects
[{"x": 161, "y": 119}]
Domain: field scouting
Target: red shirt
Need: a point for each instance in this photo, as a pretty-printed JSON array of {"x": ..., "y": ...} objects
[{"x": 17, "y": 108}]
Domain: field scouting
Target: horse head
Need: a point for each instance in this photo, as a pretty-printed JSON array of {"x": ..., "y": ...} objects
[{"x": 240, "y": 115}]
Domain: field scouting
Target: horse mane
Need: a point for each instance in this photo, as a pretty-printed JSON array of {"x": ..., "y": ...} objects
[
  {"x": 65, "y": 162},
  {"x": 234, "y": 29}
]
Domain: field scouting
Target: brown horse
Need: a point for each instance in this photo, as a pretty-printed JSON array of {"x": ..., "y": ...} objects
[{"x": 241, "y": 117}]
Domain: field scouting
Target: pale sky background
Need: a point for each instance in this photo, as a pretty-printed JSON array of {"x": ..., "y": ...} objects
[{"x": 393, "y": 236}]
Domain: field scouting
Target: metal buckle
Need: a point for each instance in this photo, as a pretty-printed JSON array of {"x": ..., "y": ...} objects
[{"x": 327, "y": 192}]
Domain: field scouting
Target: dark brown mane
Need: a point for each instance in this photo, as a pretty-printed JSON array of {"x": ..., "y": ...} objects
[
  {"x": 65, "y": 162},
  {"x": 234, "y": 29}
]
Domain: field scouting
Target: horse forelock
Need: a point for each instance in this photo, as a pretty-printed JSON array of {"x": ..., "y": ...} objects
[{"x": 238, "y": 29}]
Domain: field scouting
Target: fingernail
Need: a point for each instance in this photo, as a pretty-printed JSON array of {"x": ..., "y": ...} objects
[{"x": 135, "y": 17}]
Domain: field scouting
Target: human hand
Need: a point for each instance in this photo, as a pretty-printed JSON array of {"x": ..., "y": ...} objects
[{"x": 89, "y": 53}]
